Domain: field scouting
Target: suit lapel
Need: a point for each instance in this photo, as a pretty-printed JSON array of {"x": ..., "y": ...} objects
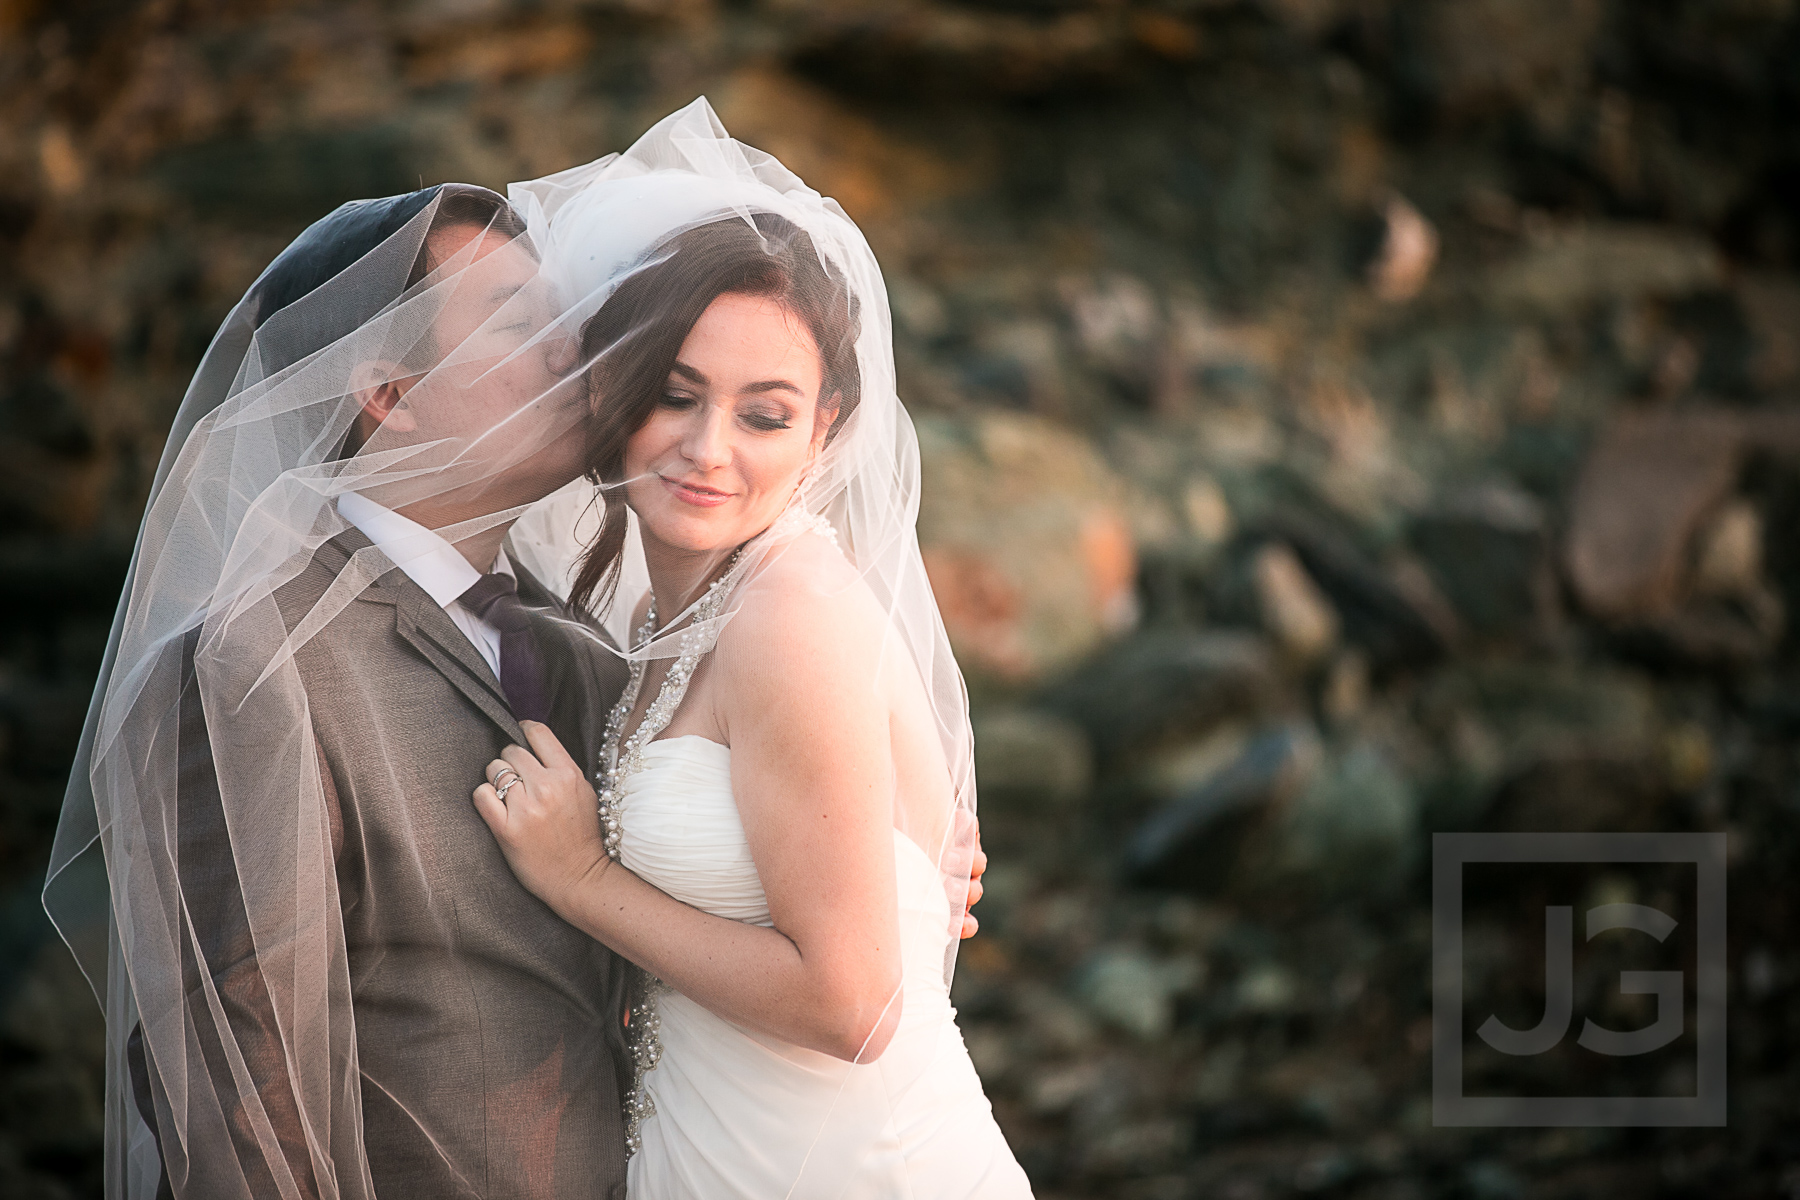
[{"x": 429, "y": 630}]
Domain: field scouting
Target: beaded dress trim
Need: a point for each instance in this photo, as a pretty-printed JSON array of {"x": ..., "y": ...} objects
[{"x": 620, "y": 759}]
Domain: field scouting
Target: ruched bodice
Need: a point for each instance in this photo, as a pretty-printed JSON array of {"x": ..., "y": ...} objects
[
  {"x": 741, "y": 1114},
  {"x": 682, "y": 832}
]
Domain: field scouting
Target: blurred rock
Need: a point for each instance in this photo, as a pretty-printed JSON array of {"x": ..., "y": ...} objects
[
  {"x": 1569, "y": 269},
  {"x": 1488, "y": 549},
  {"x": 1023, "y": 531},
  {"x": 1656, "y": 548},
  {"x": 1195, "y": 841},
  {"x": 1117, "y": 320},
  {"x": 1345, "y": 693},
  {"x": 1031, "y": 760},
  {"x": 1649, "y": 482},
  {"x": 1538, "y": 711},
  {"x": 1266, "y": 987},
  {"x": 1056, "y": 1089},
  {"x": 1335, "y": 1091},
  {"x": 1709, "y": 632},
  {"x": 1729, "y": 551},
  {"x": 1376, "y": 611},
  {"x": 1056, "y": 1024},
  {"x": 1771, "y": 306},
  {"x": 1207, "y": 511},
  {"x": 1169, "y": 230},
  {"x": 1136, "y": 991},
  {"x": 1163, "y": 687},
  {"x": 1409, "y": 249},
  {"x": 52, "y": 1041},
  {"x": 840, "y": 153},
  {"x": 1294, "y": 611},
  {"x": 1487, "y": 55},
  {"x": 1353, "y": 829},
  {"x": 294, "y": 177},
  {"x": 1183, "y": 766},
  {"x": 974, "y": 50}
]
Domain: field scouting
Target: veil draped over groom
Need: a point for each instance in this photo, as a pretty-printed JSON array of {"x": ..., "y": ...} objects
[{"x": 320, "y": 978}]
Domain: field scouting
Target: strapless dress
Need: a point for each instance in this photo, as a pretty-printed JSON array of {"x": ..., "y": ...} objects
[{"x": 742, "y": 1114}]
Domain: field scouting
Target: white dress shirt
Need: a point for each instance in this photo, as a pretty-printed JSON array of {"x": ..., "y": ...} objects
[{"x": 432, "y": 563}]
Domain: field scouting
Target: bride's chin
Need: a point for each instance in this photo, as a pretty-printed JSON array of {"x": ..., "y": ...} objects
[{"x": 686, "y": 534}]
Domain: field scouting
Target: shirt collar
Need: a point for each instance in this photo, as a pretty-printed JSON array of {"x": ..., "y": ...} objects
[{"x": 428, "y": 560}]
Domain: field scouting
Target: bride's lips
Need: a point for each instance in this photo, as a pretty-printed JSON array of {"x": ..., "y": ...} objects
[{"x": 699, "y": 495}]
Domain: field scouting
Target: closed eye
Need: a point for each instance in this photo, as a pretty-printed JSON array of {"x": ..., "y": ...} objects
[{"x": 766, "y": 422}]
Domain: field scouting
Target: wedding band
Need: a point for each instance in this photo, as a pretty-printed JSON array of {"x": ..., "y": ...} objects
[
  {"x": 502, "y": 773},
  {"x": 512, "y": 783}
]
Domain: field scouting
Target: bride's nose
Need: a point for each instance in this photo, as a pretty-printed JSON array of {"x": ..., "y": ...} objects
[{"x": 707, "y": 443}]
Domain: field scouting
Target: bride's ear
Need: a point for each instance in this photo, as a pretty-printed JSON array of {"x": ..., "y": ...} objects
[
  {"x": 824, "y": 419},
  {"x": 380, "y": 390}
]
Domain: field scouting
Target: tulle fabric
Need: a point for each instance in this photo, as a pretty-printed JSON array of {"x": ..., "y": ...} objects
[
  {"x": 254, "y": 858},
  {"x": 626, "y": 214},
  {"x": 265, "y": 852},
  {"x": 609, "y": 220}
]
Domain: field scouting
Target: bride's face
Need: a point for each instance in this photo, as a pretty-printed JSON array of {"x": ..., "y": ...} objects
[{"x": 738, "y": 423}]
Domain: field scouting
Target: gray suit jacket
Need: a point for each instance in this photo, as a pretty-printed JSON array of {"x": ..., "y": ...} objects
[{"x": 488, "y": 1030}]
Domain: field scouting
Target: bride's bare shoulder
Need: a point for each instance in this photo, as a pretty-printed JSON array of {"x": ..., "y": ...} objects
[{"x": 805, "y": 608}]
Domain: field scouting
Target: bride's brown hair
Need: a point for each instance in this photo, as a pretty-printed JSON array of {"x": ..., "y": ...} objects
[{"x": 633, "y": 341}]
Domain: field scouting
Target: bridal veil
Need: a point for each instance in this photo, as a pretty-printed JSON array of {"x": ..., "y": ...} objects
[
  {"x": 420, "y": 350},
  {"x": 613, "y": 228},
  {"x": 196, "y": 870}
]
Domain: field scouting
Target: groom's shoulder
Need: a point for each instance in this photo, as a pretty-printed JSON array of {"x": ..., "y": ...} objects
[{"x": 314, "y": 573}]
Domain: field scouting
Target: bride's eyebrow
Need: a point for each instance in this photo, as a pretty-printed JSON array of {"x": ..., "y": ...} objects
[
  {"x": 764, "y": 385},
  {"x": 770, "y": 385}
]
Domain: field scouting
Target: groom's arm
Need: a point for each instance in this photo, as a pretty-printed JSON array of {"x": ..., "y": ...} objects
[{"x": 226, "y": 980}]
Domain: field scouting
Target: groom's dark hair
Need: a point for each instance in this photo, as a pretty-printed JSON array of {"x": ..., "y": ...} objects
[
  {"x": 465, "y": 206},
  {"x": 338, "y": 241},
  {"x": 631, "y": 345}
]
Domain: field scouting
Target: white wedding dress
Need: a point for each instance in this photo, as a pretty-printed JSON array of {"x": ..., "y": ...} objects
[{"x": 741, "y": 1114}]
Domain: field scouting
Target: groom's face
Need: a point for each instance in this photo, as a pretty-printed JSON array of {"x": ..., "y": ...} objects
[{"x": 497, "y": 409}]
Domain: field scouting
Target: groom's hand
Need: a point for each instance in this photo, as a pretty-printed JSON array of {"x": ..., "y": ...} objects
[
  {"x": 976, "y": 870},
  {"x": 547, "y": 823},
  {"x": 964, "y": 859}
]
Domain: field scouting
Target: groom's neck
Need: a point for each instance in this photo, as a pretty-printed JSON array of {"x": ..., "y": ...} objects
[{"x": 480, "y": 549}]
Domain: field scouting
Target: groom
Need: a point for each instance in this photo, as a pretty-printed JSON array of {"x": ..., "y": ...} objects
[{"x": 488, "y": 1032}]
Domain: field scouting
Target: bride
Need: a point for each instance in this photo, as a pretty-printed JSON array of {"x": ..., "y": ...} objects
[{"x": 787, "y": 779}]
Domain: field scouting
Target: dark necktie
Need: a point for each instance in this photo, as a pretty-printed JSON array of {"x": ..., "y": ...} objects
[{"x": 495, "y": 599}]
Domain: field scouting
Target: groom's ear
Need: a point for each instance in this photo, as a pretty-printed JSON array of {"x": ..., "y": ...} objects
[{"x": 380, "y": 390}]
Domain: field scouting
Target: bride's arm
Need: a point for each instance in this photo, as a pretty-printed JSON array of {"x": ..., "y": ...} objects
[{"x": 813, "y": 774}]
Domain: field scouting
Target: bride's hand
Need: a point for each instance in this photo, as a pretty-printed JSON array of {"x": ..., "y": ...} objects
[{"x": 547, "y": 822}]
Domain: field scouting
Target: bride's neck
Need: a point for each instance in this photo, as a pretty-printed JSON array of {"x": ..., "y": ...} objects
[{"x": 680, "y": 576}]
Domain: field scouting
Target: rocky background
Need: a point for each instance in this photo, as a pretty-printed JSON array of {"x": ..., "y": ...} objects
[{"x": 1344, "y": 420}]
